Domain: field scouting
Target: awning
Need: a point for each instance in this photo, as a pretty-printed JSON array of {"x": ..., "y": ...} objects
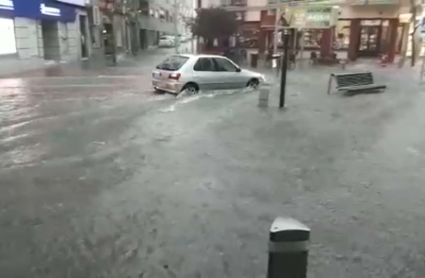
[{"x": 37, "y": 9}]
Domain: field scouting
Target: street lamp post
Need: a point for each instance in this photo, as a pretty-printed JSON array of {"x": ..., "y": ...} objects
[
  {"x": 285, "y": 35},
  {"x": 276, "y": 30},
  {"x": 176, "y": 29}
]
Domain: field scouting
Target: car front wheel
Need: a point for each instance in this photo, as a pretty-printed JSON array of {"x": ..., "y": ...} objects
[{"x": 253, "y": 83}]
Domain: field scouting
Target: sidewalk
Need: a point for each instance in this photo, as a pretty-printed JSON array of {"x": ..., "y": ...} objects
[{"x": 127, "y": 66}]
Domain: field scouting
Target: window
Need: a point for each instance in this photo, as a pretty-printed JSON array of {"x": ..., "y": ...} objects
[
  {"x": 162, "y": 14},
  {"x": 172, "y": 63},
  {"x": 204, "y": 64},
  {"x": 225, "y": 65}
]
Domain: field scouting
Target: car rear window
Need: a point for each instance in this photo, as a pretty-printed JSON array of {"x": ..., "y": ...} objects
[{"x": 173, "y": 63}]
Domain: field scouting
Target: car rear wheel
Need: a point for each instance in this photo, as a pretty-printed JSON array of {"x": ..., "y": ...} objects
[
  {"x": 190, "y": 89},
  {"x": 158, "y": 91},
  {"x": 253, "y": 83}
]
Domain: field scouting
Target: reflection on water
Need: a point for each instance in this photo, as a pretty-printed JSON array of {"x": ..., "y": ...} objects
[{"x": 11, "y": 83}]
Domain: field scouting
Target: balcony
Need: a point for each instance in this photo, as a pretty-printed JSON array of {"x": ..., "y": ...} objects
[
  {"x": 234, "y": 2},
  {"x": 372, "y": 2},
  {"x": 155, "y": 24},
  {"x": 238, "y": 2}
]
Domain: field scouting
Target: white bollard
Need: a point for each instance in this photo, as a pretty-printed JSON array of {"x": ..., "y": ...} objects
[
  {"x": 263, "y": 99},
  {"x": 343, "y": 64}
]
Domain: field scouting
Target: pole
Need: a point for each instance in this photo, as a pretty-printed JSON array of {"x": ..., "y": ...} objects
[
  {"x": 192, "y": 43},
  {"x": 284, "y": 68},
  {"x": 302, "y": 46},
  {"x": 288, "y": 249},
  {"x": 276, "y": 30},
  {"x": 176, "y": 37},
  {"x": 114, "y": 43}
]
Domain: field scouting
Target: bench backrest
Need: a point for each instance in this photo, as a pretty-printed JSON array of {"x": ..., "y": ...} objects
[{"x": 352, "y": 79}]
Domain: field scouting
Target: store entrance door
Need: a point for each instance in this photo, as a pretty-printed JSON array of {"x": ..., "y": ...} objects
[{"x": 369, "y": 42}]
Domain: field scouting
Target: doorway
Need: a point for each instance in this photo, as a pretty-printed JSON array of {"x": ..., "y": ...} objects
[
  {"x": 83, "y": 36},
  {"x": 51, "y": 44},
  {"x": 369, "y": 43}
]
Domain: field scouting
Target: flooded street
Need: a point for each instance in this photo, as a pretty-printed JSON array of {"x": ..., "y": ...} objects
[{"x": 101, "y": 177}]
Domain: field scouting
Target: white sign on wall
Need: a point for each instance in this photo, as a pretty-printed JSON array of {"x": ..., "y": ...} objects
[
  {"x": 49, "y": 10},
  {"x": 6, "y": 5},
  {"x": 81, "y": 3}
]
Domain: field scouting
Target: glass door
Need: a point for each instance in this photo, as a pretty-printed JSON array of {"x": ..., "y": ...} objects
[{"x": 369, "y": 43}]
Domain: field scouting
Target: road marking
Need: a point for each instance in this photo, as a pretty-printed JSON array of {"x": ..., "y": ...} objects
[
  {"x": 69, "y": 86},
  {"x": 74, "y": 77}
]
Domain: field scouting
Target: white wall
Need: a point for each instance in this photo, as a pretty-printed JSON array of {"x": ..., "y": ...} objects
[
  {"x": 254, "y": 15},
  {"x": 74, "y": 39},
  {"x": 40, "y": 44},
  {"x": 209, "y": 3},
  {"x": 26, "y": 38}
]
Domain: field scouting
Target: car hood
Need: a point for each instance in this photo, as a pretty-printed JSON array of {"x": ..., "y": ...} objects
[{"x": 251, "y": 73}]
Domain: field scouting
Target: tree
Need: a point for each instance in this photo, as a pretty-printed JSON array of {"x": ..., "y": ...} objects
[{"x": 214, "y": 23}]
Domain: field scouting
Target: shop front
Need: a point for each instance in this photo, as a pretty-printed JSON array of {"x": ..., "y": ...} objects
[
  {"x": 44, "y": 10},
  {"x": 373, "y": 37},
  {"x": 7, "y": 28},
  {"x": 36, "y": 29},
  {"x": 83, "y": 25}
]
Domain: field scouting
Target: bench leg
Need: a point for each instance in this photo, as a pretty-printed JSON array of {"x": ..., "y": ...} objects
[{"x": 329, "y": 84}]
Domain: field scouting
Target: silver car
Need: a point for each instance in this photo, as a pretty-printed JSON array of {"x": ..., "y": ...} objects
[{"x": 201, "y": 72}]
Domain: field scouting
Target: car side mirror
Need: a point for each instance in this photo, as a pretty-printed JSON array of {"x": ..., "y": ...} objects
[{"x": 238, "y": 69}]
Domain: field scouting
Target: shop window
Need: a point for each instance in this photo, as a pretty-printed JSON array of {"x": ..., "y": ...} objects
[
  {"x": 144, "y": 7},
  {"x": 7, "y": 31},
  {"x": 342, "y": 34},
  {"x": 312, "y": 38},
  {"x": 162, "y": 14}
]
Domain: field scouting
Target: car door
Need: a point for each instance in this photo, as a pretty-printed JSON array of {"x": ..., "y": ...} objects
[
  {"x": 231, "y": 78},
  {"x": 205, "y": 74}
]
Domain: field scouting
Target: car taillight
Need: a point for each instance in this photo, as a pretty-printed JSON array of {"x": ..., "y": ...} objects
[{"x": 174, "y": 76}]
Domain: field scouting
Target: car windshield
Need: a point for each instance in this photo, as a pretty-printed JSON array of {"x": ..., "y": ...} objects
[{"x": 174, "y": 62}]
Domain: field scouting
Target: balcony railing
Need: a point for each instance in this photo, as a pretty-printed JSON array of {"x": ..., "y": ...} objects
[
  {"x": 234, "y": 2},
  {"x": 372, "y": 2},
  {"x": 155, "y": 24},
  {"x": 239, "y": 2}
]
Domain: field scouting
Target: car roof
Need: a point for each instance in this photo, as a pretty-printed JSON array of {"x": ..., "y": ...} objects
[{"x": 199, "y": 55}]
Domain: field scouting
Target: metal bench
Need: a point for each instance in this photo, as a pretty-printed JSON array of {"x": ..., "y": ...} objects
[{"x": 353, "y": 82}]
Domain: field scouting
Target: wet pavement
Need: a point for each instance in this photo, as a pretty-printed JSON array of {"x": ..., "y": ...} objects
[{"x": 102, "y": 178}]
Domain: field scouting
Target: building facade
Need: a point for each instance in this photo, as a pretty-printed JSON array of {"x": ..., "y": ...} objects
[
  {"x": 131, "y": 26},
  {"x": 39, "y": 31},
  {"x": 363, "y": 28},
  {"x": 158, "y": 17}
]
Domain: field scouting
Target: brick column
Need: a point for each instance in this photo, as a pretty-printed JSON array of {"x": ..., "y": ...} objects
[
  {"x": 326, "y": 45},
  {"x": 262, "y": 41},
  {"x": 392, "y": 42},
  {"x": 353, "y": 45}
]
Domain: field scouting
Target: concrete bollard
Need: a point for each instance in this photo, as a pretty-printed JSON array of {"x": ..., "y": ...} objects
[
  {"x": 288, "y": 249},
  {"x": 263, "y": 98},
  {"x": 343, "y": 64}
]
